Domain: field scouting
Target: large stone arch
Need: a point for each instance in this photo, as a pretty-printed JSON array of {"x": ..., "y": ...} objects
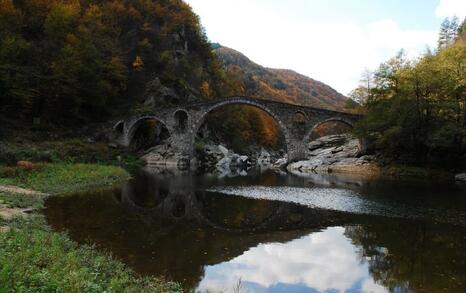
[
  {"x": 240, "y": 101},
  {"x": 131, "y": 127},
  {"x": 307, "y": 137}
]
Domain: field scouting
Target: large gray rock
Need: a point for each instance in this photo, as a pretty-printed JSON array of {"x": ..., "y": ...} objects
[
  {"x": 280, "y": 163},
  {"x": 461, "y": 177},
  {"x": 264, "y": 158},
  {"x": 309, "y": 166},
  {"x": 330, "y": 151},
  {"x": 224, "y": 164},
  {"x": 223, "y": 150}
]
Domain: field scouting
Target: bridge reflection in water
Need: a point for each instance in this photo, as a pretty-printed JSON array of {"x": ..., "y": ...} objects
[{"x": 169, "y": 225}]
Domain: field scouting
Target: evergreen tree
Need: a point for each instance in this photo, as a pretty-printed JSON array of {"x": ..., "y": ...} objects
[{"x": 449, "y": 31}]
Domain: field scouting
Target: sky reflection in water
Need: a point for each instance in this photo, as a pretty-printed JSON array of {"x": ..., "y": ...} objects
[
  {"x": 325, "y": 235},
  {"x": 320, "y": 262}
]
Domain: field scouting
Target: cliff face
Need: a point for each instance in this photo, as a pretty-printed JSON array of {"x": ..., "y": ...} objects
[{"x": 278, "y": 84}]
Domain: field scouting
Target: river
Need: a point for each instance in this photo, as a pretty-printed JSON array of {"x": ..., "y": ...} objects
[{"x": 276, "y": 232}]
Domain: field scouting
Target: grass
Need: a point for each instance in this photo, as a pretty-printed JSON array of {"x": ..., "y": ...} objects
[
  {"x": 35, "y": 259},
  {"x": 70, "y": 150},
  {"x": 62, "y": 178},
  {"x": 20, "y": 201}
]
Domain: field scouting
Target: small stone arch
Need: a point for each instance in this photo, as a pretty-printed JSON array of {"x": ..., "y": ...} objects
[
  {"x": 299, "y": 118},
  {"x": 181, "y": 120},
  {"x": 246, "y": 102},
  {"x": 133, "y": 127},
  {"x": 307, "y": 137},
  {"x": 119, "y": 127}
]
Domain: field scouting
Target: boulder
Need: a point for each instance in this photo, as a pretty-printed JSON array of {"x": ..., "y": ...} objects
[
  {"x": 223, "y": 150},
  {"x": 264, "y": 158},
  {"x": 329, "y": 152},
  {"x": 280, "y": 163},
  {"x": 224, "y": 164},
  {"x": 461, "y": 177}
]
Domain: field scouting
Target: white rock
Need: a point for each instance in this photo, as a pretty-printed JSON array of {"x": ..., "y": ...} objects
[
  {"x": 280, "y": 163},
  {"x": 461, "y": 177},
  {"x": 224, "y": 164},
  {"x": 244, "y": 159},
  {"x": 223, "y": 150}
]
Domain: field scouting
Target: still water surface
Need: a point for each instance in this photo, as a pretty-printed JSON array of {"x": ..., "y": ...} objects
[{"x": 278, "y": 232}]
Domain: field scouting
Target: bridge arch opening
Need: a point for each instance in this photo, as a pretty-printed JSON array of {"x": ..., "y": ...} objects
[
  {"x": 146, "y": 133},
  {"x": 332, "y": 126},
  {"x": 299, "y": 118},
  {"x": 332, "y": 139},
  {"x": 119, "y": 127},
  {"x": 243, "y": 127},
  {"x": 145, "y": 191},
  {"x": 181, "y": 120},
  {"x": 236, "y": 214}
]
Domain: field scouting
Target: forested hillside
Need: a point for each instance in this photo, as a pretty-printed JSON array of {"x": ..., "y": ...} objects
[
  {"x": 278, "y": 84},
  {"x": 416, "y": 109},
  {"x": 68, "y": 60}
]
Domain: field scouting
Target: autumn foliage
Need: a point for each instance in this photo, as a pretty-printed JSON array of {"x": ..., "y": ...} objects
[
  {"x": 83, "y": 60},
  {"x": 243, "y": 126}
]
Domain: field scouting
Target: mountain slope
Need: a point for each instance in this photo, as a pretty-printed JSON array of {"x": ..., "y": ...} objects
[{"x": 278, "y": 84}]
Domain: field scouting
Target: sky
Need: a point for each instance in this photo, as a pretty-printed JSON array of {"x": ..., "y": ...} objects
[
  {"x": 320, "y": 262},
  {"x": 333, "y": 41}
]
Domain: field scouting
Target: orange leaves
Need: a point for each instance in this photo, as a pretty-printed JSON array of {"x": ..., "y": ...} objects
[{"x": 138, "y": 64}]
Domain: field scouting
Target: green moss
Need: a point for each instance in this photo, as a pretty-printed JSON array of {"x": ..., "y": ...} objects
[
  {"x": 59, "y": 178},
  {"x": 35, "y": 259}
]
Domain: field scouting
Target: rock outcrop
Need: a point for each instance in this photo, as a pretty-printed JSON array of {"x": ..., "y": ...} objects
[
  {"x": 334, "y": 154},
  {"x": 461, "y": 178},
  {"x": 221, "y": 159},
  {"x": 163, "y": 155}
]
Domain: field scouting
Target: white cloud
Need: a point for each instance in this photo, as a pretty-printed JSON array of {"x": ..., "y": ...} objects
[
  {"x": 449, "y": 8},
  {"x": 334, "y": 51},
  {"x": 323, "y": 261}
]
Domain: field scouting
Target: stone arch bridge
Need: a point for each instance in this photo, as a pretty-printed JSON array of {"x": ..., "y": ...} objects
[{"x": 183, "y": 123}]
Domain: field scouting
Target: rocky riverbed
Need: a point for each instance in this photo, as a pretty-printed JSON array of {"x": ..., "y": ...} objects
[
  {"x": 218, "y": 158},
  {"x": 328, "y": 154}
]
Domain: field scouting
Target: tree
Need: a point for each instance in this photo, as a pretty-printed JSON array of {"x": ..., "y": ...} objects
[
  {"x": 416, "y": 113},
  {"x": 84, "y": 60},
  {"x": 462, "y": 31},
  {"x": 363, "y": 92},
  {"x": 448, "y": 32}
]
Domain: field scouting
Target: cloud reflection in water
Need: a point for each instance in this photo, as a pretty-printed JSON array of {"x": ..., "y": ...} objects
[{"x": 320, "y": 262}]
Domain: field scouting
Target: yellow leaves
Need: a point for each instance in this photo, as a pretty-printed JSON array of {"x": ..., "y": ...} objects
[
  {"x": 60, "y": 19},
  {"x": 138, "y": 64},
  {"x": 146, "y": 27},
  {"x": 7, "y": 8},
  {"x": 71, "y": 38},
  {"x": 205, "y": 89},
  {"x": 117, "y": 69},
  {"x": 268, "y": 127}
]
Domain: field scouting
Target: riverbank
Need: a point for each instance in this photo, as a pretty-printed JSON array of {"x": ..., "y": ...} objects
[
  {"x": 61, "y": 178},
  {"x": 341, "y": 154},
  {"x": 35, "y": 258}
]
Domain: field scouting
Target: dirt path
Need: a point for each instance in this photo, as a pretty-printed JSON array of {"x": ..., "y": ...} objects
[
  {"x": 8, "y": 213},
  {"x": 19, "y": 190}
]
